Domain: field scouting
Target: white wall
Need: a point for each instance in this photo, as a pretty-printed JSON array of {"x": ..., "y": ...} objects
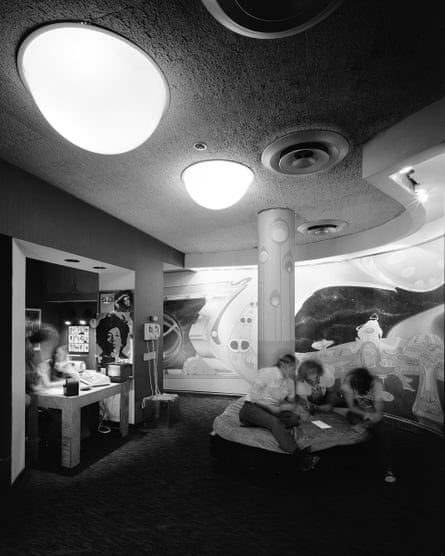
[{"x": 18, "y": 361}]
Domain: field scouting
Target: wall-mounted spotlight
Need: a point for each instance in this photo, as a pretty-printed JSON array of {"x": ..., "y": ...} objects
[{"x": 405, "y": 178}]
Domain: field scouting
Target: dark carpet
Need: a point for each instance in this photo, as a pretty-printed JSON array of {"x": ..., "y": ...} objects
[{"x": 161, "y": 492}]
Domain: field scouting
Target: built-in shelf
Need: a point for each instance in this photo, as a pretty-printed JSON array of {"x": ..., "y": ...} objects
[{"x": 71, "y": 297}]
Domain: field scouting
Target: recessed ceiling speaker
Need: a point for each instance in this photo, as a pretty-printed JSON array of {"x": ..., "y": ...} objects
[
  {"x": 305, "y": 152},
  {"x": 322, "y": 227},
  {"x": 263, "y": 19}
]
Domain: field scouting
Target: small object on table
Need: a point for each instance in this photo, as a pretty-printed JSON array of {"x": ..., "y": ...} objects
[{"x": 71, "y": 387}]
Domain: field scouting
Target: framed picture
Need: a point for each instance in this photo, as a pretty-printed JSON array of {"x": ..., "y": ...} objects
[
  {"x": 33, "y": 321},
  {"x": 78, "y": 339},
  {"x": 114, "y": 336}
]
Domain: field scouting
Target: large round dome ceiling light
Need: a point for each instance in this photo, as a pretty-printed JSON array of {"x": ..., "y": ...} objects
[
  {"x": 263, "y": 19},
  {"x": 217, "y": 184},
  {"x": 97, "y": 89}
]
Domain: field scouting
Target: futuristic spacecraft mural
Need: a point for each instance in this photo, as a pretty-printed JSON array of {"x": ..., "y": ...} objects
[{"x": 383, "y": 311}]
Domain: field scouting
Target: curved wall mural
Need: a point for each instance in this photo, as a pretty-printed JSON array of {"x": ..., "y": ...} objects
[
  {"x": 383, "y": 311},
  {"x": 210, "y": 330}
]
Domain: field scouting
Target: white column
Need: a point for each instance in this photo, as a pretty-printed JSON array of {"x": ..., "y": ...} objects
[{"x": 276, "y": 285}]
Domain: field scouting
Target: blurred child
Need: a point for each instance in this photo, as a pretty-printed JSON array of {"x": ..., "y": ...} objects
[
  {"x": 363, "y": 394},
  {"x": 271, "y": 405},
  {"x": 38, "y": 368},
  {"x": 61, "y": 367},
  {"x": 315, "y": 386}
]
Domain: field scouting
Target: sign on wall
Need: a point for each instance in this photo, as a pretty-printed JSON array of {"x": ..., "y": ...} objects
[{"x": 78, "y": 339}]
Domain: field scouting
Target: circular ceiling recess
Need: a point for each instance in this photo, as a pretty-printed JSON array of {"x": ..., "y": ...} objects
[
  {"x": 322, "y": 227},
  {"x": 305, "y": 152},
  {"x": 262, "y": 19}
]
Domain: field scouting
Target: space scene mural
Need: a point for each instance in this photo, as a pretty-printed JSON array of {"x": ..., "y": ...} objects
[{"x": 383, "y": 311}]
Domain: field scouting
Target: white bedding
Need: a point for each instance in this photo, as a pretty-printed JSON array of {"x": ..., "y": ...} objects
[{"x": 228, "y": 426}]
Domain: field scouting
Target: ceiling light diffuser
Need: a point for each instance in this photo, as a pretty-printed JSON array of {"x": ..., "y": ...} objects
[
  {"x": 217, "y": 184},
  {"x": 97, "y": 89}
]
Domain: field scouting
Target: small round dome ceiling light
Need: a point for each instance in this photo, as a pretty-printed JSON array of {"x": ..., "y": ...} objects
[
  {"x": 97, "y": 89},
  {"x": 305, "y": 152},
  {"x": 261, "y": 19},
  {"x": 322, "y": 227},
  {"x": 217, "y": 184}
]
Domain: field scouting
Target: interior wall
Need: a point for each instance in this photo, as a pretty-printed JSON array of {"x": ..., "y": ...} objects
[
  {"x": 17, "y": 448},
  {"x": 148, "y": 280},
  {"x": 34, "y": 211}
]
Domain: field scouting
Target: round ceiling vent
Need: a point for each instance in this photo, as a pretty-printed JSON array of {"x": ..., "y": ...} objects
[
  {"x": 322, "y": 227},
  {"x": 262, "y": 19},
  {"x": 305, "y": 152}
]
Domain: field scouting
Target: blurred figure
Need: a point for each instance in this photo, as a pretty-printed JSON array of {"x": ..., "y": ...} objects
[
  {"x": 43, "y": 373},
  {"x": 39, "y": 346},
  {"x": 363, "y": 394},
  {"x": 272, "y": 394},
  {"x": 60, "y": 365},
  {"x": 315, "y": 386}
]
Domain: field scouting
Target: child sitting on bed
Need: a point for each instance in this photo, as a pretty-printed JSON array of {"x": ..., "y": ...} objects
[
  {"x": 315, "y": 387},
  {"x": 363, "y": 394},
  {"x": 271, "y": 394}
]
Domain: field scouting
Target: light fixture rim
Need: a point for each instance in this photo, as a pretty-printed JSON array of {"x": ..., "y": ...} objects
[
  {"x": 214, "y": 8},
  {"x": 76, "y": 24},
  {"x": 339, "y": 225},
  {"x": 70, "y": 24},
  {"x": 216, "y": 160}
]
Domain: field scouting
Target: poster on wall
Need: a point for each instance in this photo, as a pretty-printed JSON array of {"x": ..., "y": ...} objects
[
  {"x": 78, "y": 339},
  {"x": 384, "y": 312},
  {"x": 114, "y": 327}
]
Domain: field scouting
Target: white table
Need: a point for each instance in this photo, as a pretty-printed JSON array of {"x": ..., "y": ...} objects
[{"x": 70, "y": 407}]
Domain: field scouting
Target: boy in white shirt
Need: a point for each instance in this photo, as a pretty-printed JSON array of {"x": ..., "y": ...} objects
[{"x": 273, "y": 394}]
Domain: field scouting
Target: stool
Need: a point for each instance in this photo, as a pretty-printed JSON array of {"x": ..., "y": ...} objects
[{"x": 173, "y": 409}]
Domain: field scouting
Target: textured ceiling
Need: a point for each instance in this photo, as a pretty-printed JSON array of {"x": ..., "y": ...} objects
[{"x": 361, "y": 70}]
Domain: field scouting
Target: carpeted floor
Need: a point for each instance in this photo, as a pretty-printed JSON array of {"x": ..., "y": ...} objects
[{"x": 162, "y": 493}]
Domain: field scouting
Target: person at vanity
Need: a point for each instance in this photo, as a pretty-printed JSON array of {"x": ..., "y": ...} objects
[
  {"x": 60, "y": 366},
  {"x": 39, "y": 346}
]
